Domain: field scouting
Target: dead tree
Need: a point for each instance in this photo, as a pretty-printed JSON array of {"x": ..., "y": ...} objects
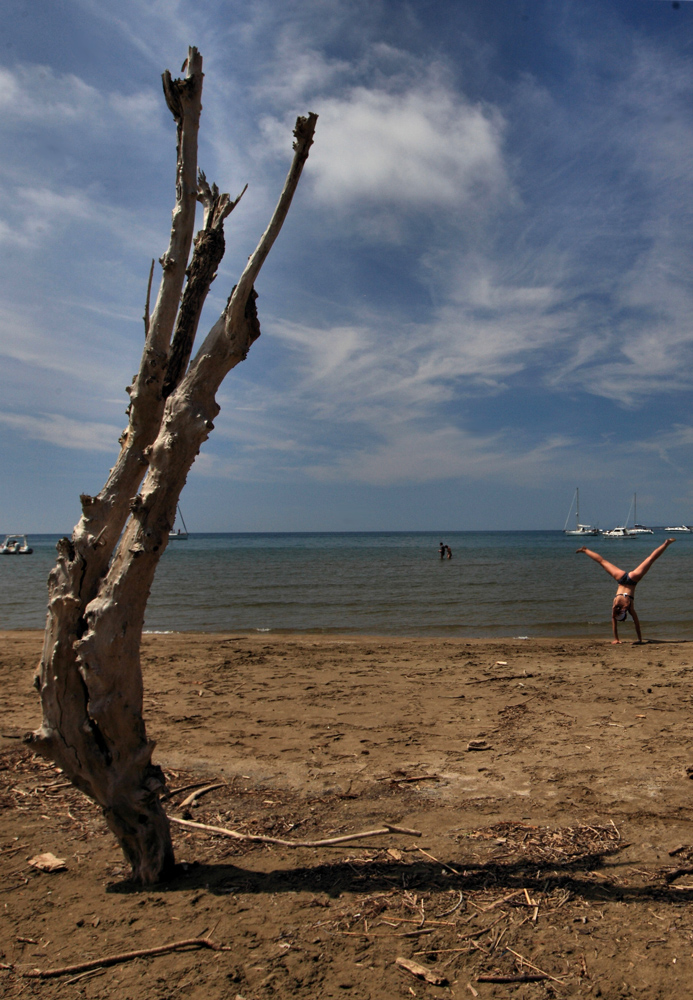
[{"x": 89, "y": 677}]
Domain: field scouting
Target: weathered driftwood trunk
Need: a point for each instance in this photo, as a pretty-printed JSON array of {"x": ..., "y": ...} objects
[{"x": 89, "y": 677}]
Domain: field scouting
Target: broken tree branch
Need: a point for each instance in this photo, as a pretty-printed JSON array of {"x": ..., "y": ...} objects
[
  {"x": 432, "y": 976},
  {"x": 521, "y": 977},
  {"x": 126, "y": 956},
  {"x": 329, "y": 842},
  {"x": 148, "y": 300},
  {"x": 303, "y": 134},
  {"x": 197, "y": 794}
]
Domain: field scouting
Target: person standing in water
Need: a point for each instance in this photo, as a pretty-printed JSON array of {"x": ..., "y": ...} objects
[{"x": 625, "y": 592}]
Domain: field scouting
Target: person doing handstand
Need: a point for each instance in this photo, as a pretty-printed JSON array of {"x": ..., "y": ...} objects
[{"x": 625, "y": 592}]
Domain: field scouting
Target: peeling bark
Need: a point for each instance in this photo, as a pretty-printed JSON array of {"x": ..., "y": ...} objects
[{"x": 90, "y": 678}]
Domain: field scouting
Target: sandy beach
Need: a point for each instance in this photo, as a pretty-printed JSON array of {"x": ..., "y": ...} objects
[{"x": 547, "y": 779}]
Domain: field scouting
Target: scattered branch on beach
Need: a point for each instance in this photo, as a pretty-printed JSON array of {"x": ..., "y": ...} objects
[
  {"x": 441, "y": 863},
  {"x": 544, "y": 844},
  {"x": 432, "y": 976},
  {"x": 535, "y": 968},
  {"x": 409, "y": 778},
  {"x": 171, "y": 794},
  {"x": 520, "y": 977},
  {"x": 125, "y": 956},
  {"x": 200, "y": 791},
  {"x": 446, "y": 913},
  {"x": 329, "y": 842},
  {"x": 461, "y": 937},
  {"x": 505, "y": 677},
  {"x": 671, "y": 876}
]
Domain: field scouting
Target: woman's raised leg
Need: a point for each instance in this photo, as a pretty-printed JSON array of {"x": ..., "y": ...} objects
[
  {"x": 604, "y": 563},
  {"x": 639, "y": 572}
]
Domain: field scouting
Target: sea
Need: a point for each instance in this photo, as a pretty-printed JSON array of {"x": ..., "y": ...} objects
[{"x": 520, "y": 584}]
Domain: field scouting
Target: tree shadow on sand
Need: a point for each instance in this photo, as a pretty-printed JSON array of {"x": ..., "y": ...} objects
[{"x": 588, "y": 878}]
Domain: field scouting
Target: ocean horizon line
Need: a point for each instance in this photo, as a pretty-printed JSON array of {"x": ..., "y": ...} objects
[{"x": 351, "y": 531}]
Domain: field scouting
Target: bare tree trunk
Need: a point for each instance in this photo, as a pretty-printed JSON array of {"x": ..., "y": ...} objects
[{"x": 90, "y": 677}]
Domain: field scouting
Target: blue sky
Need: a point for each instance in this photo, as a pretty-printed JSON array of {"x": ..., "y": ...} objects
[{"x": 483, "y": 295}]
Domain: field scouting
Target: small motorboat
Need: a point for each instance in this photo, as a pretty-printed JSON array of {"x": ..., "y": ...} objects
[
  {"x": 620, "y": 532},
  {"x": 681, "y": 527},
  {"x": 623, "y": 531},
  {"x": 15, "y": 545}
]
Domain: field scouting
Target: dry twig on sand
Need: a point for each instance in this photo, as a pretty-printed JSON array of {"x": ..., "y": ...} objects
[
  {"x": 431, "y": 976},
  {"x": 328, "y": 842},
  {"x": 531, "y": 965},
  {"x": 199, "y": 793},
  {"x": 125, "y": 956},
  {"x": 521, "y": 977}
]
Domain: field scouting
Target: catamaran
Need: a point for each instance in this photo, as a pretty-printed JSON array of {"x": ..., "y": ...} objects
[{"x": 579, "y": 529}]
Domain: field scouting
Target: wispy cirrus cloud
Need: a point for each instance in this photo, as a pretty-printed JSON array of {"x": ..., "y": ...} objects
[
  {"x": 63, "y": 432},
  {"x": 37, "y": 95}
]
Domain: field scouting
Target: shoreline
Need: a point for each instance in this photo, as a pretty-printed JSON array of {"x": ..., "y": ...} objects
[{"x": 259, "y": 633}]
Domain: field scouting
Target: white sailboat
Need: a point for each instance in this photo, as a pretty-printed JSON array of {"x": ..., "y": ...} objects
[
  {"x": 179, "y": 536},
  {"x": 638, "y": 529},
  {"x": 579, "y": 529}
]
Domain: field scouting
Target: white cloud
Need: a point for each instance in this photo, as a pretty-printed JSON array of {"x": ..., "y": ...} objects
[
  {"x": 36, "y": 214},
  {"x": 64, "y": 432},
  {"x": 39, "y": 96},
  {"x": 299, "y": 74},
  {"x": 384, "y": 372},
  {"x": 423, "y": 147},
  {"x": 36, "y": 94}
]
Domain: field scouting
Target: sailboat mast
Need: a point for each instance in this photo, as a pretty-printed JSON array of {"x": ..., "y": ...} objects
[
  {"x": 629, "y": 510},
  {"x": 577, "y": 507},
  {"x": 180, "y": 514}
]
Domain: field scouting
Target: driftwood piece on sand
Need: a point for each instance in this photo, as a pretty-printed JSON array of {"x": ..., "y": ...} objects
[
  {"x": 199, "y": 793},
  {"x": 329, "y": 842},
  {"x": 431, "y": 976},
  {"x": 125, "y": 956},
  {"x": 520, "y": 977}
]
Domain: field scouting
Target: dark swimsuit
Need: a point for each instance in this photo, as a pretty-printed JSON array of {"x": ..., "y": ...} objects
[{"x": 626, "y": 581}]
